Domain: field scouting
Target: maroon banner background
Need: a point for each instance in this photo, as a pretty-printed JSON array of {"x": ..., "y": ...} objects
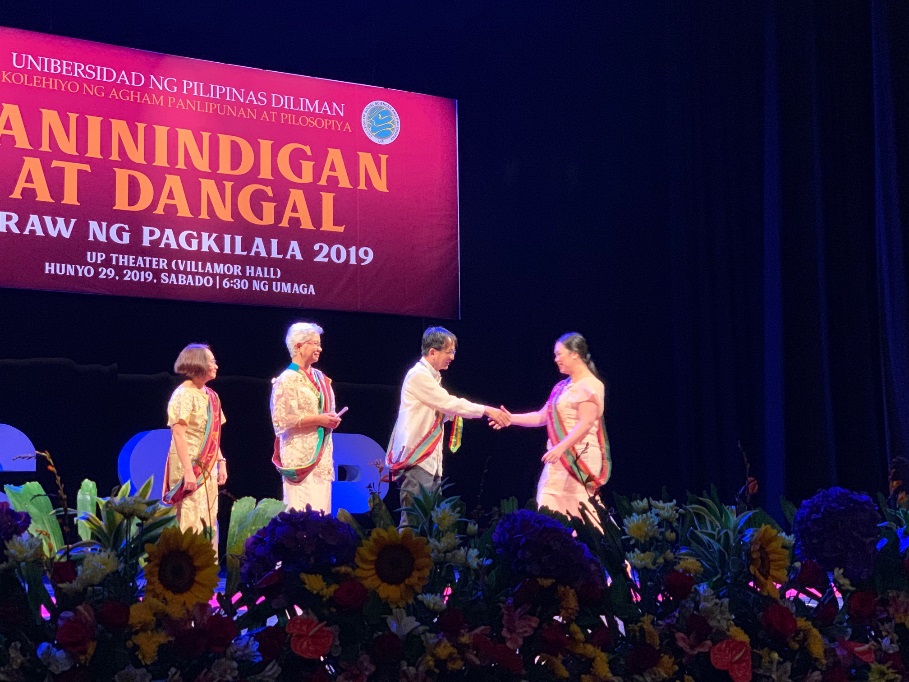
[{"x": 139, "y": 174}]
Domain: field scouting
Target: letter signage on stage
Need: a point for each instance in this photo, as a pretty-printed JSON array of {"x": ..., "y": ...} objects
[{"x": 139, "y": 174}]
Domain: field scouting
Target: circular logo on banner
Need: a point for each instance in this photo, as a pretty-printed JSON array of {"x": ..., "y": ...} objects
[{"x": 381, "y": 122}]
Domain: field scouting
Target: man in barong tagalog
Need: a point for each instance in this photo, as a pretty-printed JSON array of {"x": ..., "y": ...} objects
[
  {"x": 414, "y": 454},
  {"x": 303, "y": 415}
]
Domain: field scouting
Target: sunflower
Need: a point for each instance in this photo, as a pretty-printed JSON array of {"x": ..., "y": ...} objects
[
  {"x": 768, "y": 560},
  {"x": 396, "y": 565},
  {"x": 181, "y": 568}
]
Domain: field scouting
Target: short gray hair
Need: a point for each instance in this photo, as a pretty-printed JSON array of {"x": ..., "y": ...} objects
[
  {"x": 436, "y": 337},
  {"x": 299, "y": 332}
]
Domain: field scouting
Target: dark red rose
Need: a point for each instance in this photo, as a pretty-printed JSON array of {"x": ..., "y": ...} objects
[
  {"x": 553, "y": 638},
  {"x": 825, "y": 612},
  {"x": 191, "y": 643},
  {"x": 63, "y": 572},
  {"x": 74, "y": 635},
  {"x": 350, "y": 595},
  {"x": 221, "y": 632},
  {"x": 387, "y": 648},
  {"x": 779, "y": 622},
  {"x": 114, "y": 615},
  {"x": 271, "y": 641},
  {"x": 452, "y": 622},
  {"x": 861, "y": 606},
  {"x": 698, "y": 628},
  {"x": 490, "y": 652},
  {"x": 678, "y": 585},
  {"x": 835, "y": 674},
  {"x": 510, "y": 660},
  {"x": 812, "y": 575},
  {"x": 526, "y": 593},
  {"x": 602, "y": 638},
  {"x": 641, "y": 659}
]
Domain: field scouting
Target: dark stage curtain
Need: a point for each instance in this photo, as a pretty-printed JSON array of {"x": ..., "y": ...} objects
[
  {"x": 713, "y": 193},
  {"x": 789, "y": 263}
]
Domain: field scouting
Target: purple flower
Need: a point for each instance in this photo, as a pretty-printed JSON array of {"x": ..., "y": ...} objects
[
  {"x": 12, "y": 523},
  {"x": 538, "y": 546},
  {"x": 301, "y": 542},
  {"x": 838, "y": 529}
]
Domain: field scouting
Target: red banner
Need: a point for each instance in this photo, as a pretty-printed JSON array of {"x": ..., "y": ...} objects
[{"x": 139, "y": 174}]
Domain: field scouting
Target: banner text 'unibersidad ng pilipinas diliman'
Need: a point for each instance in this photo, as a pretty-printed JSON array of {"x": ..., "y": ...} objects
[{"x": 139, "y": 174}]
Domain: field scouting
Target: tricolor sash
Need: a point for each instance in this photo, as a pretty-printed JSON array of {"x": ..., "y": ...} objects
[
  {"x": 321, "y": 384},
  {"x": 571, "y": 460},
  {"x": 204, "y": 464},
  {"x": 425, "y": 446}
]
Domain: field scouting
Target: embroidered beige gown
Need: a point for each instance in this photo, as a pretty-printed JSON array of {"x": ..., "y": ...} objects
[
  {"x": 557, "y": 488},
  {"x": 199, "y": 509},
  {"x": 293, "y": 397}
]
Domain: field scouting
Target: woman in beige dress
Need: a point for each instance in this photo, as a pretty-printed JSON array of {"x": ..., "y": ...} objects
[
  {"x": 303, "y": 415},
  {"x": 577, "y": 460},
  {"x": 195, "y": 466}
]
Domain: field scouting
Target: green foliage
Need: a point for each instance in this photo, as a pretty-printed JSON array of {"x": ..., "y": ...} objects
[
  {"x": 246, "y": 517},
  {"x": 86, "y": 501},
  {"x": 31, "y": 498},
  {"x": 714, "y": 533}
]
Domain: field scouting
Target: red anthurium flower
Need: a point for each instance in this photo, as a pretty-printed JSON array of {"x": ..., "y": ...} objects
[
  {"x": 733, "y": 656},
  {"x": 309, "y": 638}
]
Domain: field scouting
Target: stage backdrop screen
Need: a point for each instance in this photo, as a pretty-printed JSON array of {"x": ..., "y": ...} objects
[{"x": 139, "y": 174}]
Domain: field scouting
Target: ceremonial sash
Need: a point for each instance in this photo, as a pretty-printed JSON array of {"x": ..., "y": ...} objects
[
  {"x": 208, "y": 453},
  {"x": 426, "y": 445},
  {"x": 571, "y": 460},
  {"x": 322, "y": 386}
]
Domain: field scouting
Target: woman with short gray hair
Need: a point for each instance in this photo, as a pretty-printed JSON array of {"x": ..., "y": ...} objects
[{"x": 303, "y": 416}]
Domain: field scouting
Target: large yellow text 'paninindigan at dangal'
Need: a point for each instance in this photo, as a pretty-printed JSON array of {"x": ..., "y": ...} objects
[{"x": 179, "y": 148}]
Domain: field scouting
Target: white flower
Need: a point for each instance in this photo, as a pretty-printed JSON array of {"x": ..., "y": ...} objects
[
  {"x": 668, "y": 511},
  {"x": 131, "y": 674},
  {"x": 448, "y": 542},
  {"x": 458, "y": 557},
  {"x": 640, "y": 506},
  {"x": 641, "y": 527},
  {"x": 401, "y": 624},
  {"x": 16, "y": 659},
  {"x": 244, "y": 648},
  {"x": 788, "y": 540},
  {"x": 640, "y": 559},
  {"x": 444, "y": 516},
  {"x": 433, "y": 602},
  {"x": 842, "y": 581},
  {"x": 224, "y": 670},
  {"x": 55, "y": 660},
  {"x": 96, "y": 566},
  {"x": 474, "y": 561},
  {"x": 472, "y": 529},
  {"x": 129, "y": 507},
  {"x": 25, "y": 547},
  {"x": 716, "y": 611}
]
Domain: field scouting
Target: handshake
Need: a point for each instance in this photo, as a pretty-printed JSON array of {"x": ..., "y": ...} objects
[{"x": 498, "y": 418}]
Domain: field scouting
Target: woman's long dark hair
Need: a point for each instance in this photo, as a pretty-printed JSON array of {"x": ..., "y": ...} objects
[{"x": 575, "y": 343}]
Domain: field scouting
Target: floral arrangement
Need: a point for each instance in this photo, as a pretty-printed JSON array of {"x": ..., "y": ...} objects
[{"x": 645, "y": 591}]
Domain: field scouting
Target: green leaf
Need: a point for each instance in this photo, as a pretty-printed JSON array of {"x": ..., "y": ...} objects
[
  {"x": 31, "y": 498},
  {"x": 86, "y": 499}
]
